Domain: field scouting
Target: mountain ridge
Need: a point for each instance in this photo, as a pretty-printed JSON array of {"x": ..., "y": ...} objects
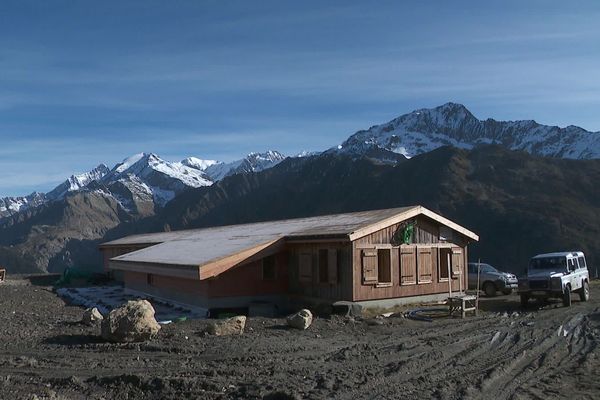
[{"x": 453, "y": 124}]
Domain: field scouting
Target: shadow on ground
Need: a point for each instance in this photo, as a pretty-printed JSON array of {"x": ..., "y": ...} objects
[{"x": 73, "y": 340}]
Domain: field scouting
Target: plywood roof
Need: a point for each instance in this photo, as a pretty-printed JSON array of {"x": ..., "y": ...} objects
[{"x": 200, "y": 247}]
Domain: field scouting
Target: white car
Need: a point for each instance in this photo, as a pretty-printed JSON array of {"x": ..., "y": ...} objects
[{"x": 556, "y": 275}]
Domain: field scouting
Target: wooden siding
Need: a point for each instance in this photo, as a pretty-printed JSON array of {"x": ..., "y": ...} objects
[
  {"x": 415, "y": 267},
  {"x": 244, "y": 280},
  {"x": 306, "y": 256}
]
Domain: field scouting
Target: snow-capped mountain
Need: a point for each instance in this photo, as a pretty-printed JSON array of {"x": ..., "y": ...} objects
[
  {"x": 149, "y": 176},
  {"x": 13, "y": 205},
  {"x": 76, "y": 182},
  {"x": 453, "y": 124},
  {"x": 253, "y": 162},
  {"x": 143, "y": 181}
]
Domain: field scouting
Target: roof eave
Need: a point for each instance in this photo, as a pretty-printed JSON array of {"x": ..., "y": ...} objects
[{"x": 413, "y": 212}]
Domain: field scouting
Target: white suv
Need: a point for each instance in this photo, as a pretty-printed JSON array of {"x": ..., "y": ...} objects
[{"x": 556, "y": 275}]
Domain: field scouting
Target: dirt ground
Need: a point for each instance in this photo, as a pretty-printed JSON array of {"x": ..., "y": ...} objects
[{"x": 546, "y": 351}]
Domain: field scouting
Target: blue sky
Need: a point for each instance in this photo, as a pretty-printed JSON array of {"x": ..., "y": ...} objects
[{"x": 88, "y": 82}]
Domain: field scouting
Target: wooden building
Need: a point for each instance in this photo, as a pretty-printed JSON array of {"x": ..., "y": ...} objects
[{"x": 375, "y": 258}]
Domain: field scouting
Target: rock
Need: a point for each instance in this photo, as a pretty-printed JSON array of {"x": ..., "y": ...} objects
[
  {"x": 91, "y": 316},
  {"x": 132, "y": 322},
  {"x": 301, "y": 320},
  {"x": 229, "y": 326}
]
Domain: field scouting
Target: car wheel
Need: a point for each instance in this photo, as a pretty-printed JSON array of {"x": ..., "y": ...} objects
[
  {"x": 567, "y": 297},
  {"x": 584, "y": 292},
  {"x": 490, "y": 289},
  {"x": 524, "y": 300},
  {"x": 506, "y": 292}
]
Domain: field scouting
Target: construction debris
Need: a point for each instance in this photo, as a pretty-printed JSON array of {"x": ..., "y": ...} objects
[
  {"x": 301, "y": 320},
  {"x": 133, "y": 322}
]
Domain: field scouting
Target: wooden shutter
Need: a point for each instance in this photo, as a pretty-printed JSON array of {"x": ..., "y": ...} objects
[
  {"x": 457, "y": 261},
  {"x": 333, "y": 266},
  {"x": 369, "y": 266},
  {"x": 408, "y": 266},
  {"x": 425, "y": 264},
  {"x": 305, "y": 267}
]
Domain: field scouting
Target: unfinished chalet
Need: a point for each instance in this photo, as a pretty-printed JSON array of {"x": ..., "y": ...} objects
[{"x": 376, "y": 257}]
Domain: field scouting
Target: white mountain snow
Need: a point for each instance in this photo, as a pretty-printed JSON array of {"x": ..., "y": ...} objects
[
  {"x": 144, "y": 180},
  {"x": 12, "y": 205},
  {"x": 253, "y": 162},
  {"x": 452, "y": 124},
  {"x": 76, "y": 182}
]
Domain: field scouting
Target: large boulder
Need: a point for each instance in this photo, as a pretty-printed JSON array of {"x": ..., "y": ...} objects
[
  {"x": 91, "y": 316},
  {"x": 301, "y": 320},
  {"x": 229, "y": 326},
  {"x": 132, "y": 322}
]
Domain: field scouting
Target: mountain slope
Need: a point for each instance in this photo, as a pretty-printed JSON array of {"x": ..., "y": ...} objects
[{"x": 452, "y": 124}]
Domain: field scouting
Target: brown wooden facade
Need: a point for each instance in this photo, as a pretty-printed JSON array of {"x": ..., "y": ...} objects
[{"x": 328, "y": 269}]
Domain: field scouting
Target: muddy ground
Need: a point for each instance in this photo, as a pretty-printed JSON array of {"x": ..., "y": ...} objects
[{"x": 505, "y": 353}]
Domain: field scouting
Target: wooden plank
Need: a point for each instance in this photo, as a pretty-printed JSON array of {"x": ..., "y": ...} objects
[
  {"x": 369, "y": 266},
  {"x": 457, "y": 261},
  {"x": 425, "y": 265},
  {"x": 179, "y": 271},
  {"x": 332, "y": 264},
  {"x": 216, "y": 267},
  {"x": 408, "y": 266},
  {"x": 305, "y": 267}
]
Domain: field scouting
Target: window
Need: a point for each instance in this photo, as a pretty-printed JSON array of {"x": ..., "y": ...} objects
[
  {"x": 323, "y": 266},
  {"x": 150, "y": 279},
  {"x": 268, "y": 268},
  {"x": 582, "y": 262},
  {"x": 305, "y": 267},
  {"x": 445, "y": 260},
  {"x": 572, "y": 264},
  {"x": 384, "y": 266}
]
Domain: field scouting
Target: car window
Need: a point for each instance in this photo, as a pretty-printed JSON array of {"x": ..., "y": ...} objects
[
  {"x": 548, "y": 263},
  {"x": 582, "y": 262},
  {"x": 488, "y": 268},
  {"x": 571, "y": 262}
]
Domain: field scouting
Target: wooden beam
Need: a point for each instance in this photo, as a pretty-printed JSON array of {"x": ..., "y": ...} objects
[
  {"x": 216, "y": 267},
  {"x": 179, "y": 271}
]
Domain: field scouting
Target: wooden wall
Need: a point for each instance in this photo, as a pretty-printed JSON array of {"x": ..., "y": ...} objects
[
  {"x": 242, "y": 281},
  {"x": 422, "y": 257},
  {"x": 310, "y": 285}
]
